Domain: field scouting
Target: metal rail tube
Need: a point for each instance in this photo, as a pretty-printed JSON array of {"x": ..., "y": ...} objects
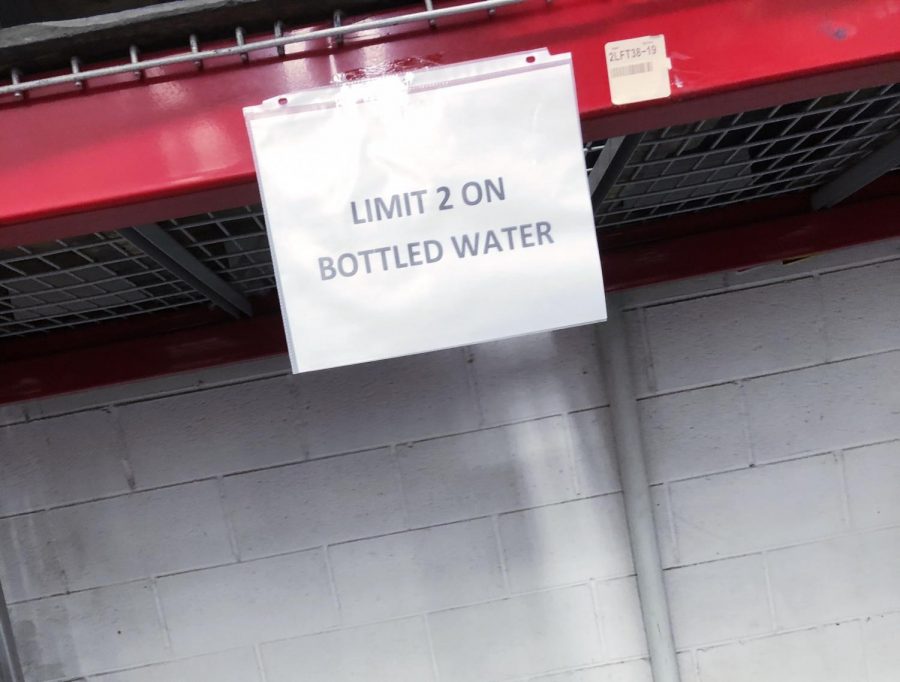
[
  {"x": 636, "y": 491},
  {"x": 19, "y": 86}
]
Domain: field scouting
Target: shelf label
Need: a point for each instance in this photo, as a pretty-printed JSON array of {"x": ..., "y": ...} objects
[{"x": 638, "y": 69}]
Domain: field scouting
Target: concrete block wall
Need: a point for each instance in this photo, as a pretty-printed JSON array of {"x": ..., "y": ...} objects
[{"x": 456, "y": 516}]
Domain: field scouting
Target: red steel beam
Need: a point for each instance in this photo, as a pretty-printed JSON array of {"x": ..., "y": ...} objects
[
  {"x": 80, "y": 360},
  {"x": 755, "y": 212},
  {"x": 125, "y": 151},
  {"x": 141, "y": 357},
  {"x": 734, "y": 247}
]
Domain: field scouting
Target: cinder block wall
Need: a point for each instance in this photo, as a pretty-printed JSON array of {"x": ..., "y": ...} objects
[{"x": 456, "y": 517}]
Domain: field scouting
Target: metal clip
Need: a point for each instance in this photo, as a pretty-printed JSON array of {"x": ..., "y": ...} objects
[
  {"x": 135, "y": 55},
  {"x": 16, "y": 77},
  {"x": 279, "y": 33},
  {"x": 338, "y": 21},
  {"x": 195, "y": 47},
  {"x": 239, "y": 38},
  {"x": 429, "y": 7},
  {"x": 76, "y": 68}
]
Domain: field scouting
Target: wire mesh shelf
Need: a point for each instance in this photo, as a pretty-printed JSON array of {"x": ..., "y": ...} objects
[
  {"x": 232, "y": 243},
  {"x": 82, "y": 280},
  {"x": 680, "y": 169},
  {"x": 746, "y": 156}
]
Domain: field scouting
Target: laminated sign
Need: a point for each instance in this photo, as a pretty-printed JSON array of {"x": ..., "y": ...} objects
[{"x": 432, "y": 209}]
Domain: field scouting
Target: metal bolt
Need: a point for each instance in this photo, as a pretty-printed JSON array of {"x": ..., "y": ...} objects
[
  {"x": 338, "y": 20},
  {"x": 195, "y": 47},
  {"x": 76, "y": 68},
  {"x": 429, "y": 7},
  {"x": 239, "y": 37},
  {"x": 16, "y": 77},
  {"x": 279, "y": 33},
  {"x": 134, "y": 53}
]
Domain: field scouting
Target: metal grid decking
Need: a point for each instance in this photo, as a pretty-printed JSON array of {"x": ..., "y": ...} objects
[
  {"x": 232, "y": 243},
  {"x": 680, "y": 169},
  {"x": 748, "y": 156},
  {"x": 82, "y": 280}
]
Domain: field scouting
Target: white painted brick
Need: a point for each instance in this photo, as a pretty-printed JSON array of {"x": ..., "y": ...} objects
[
  {"x": 486, "y": 472},
  {"x": 832, "y": 654},
  {"x": 881, "y": 636},
  {"x": 83, "y": 460},
  {"x": 521, "y": 636},
  {"x": 619, "y": 615},
  {"x": 11, "y": 414},
  {"x": 238, "y": 665},
  {"x": 855, "y": 402},
  {"x": 22, "y": 486},
  {"x": 141, "y": 535},
  {"x": 566, "y": 543},
  {"x": 630, "y": 671},
  {"x": 538, "y": 375},
  {"x": 29, "y": 566},
  {"x": 873, "y": 484},
  {"x": 718, "y": 601},
  {"x": 248, "y": 603},
  {"x": 594, "y": 452},
  {"x": 861, "y": 309},
  {"x": 88, "y": 632},
  {"x": 417, "y": 571},
  {"x": 665, "y": 291},
  {"x": 213, "y": 432},
  {"x": 396, "y": 652},
  {"x": 694, "y": 432},
  {"x": 738, "y": 334},
  {"x": 687, "y": 667},
  {"x": 379, "y": 403},
  {"x": 161, "y": 386},
  {"x": 316, "y": 502},
  {"x": 749, "y": 510},
  {"x": 850, "y": 576},
  {"x": 59, "y": 461}
]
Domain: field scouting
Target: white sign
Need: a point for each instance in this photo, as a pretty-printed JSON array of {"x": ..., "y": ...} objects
[
  {"x": 638, "y": 69},
  {"x": 433, "y": 209}
]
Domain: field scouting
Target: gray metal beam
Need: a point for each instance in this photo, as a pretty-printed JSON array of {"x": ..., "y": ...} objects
[
  {"x": 161, "y": 247},
  {"x": 609, "y": 165},
  {"x": 855, "y": 178},
  {"x": 10, "y": 668}
]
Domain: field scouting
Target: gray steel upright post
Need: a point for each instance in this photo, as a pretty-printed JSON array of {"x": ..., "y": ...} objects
[
  {"x": 636, "y": 492},
  {"x": 10, "y": 668}
]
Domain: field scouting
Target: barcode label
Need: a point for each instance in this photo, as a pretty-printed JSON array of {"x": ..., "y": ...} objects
[
  {"x": 630, "y": 69},
  {"x": 638, "y": 69}
]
